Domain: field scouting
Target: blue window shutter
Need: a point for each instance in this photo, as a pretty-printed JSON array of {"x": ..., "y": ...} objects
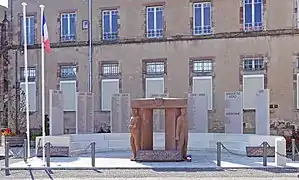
[
  {"x": 159, "y": 19},
  {"x": 32, "y": 31},
  {"x": 207, "y": 16},
  {"x": 73, "y": 26},
  {"x": 248, "y": 13},
  {"x": 114, "y": 23},
  {"x": 64, "y": 24},
  {"x": 106, "y": 23},
  {"x": 258, "y": 12},
  {"x": 150, "y": 20},
  {"x": 198, "y": 17}
]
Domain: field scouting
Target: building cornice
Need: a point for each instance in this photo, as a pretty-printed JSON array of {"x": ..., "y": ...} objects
[{"x": 142, "y": 40}]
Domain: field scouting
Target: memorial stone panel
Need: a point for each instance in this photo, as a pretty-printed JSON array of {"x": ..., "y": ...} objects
[
  {"x": 56, "y": 113},
  {"x": 262, "y": 112},
  {"x": 81, "y": 113},
  {"x": 159, "y": 115},
  {"x": 89, "y": 112},
  {"x": 234, "y": 112},
  {"x": 120, "y": 113},
  {"x": 198, "y": 113}
]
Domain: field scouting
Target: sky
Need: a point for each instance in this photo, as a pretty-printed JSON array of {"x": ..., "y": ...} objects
[{"x": 4, "y": 3}]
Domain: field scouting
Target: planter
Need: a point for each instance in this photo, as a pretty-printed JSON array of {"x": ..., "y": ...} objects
[{"x": 14, "y": 141}]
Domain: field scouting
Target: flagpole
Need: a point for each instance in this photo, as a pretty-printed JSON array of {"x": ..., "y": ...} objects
[
  {"x": 42, "y": 7},
  {"x": 26, "y": 77}
]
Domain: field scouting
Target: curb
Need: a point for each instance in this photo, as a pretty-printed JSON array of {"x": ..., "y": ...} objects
[{"x": 147, "y": 168}]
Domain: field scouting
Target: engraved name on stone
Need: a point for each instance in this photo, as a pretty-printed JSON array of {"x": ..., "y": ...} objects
[
  {"x": 125, "y": 112},
  {"x": 90, "y": 113}
]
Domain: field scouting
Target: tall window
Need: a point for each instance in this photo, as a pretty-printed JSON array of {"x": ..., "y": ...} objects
[
  {"x": 68, "y": 86},
  {"x": 109, "y": 83},
  {"x": 154, "y": 78},
  {"x": 154, "y": 21},
  {"x": 253, "y": 15},
  {"x": 253, "y": 80},
  {"x": 110, "y": 24},
  {"x": 68, "y": 26},
  {"x": 202, "y": 79},
  {"x": 30, "y": 28},
  {"x": 31, "y": 87},
  {"x": 202, "y": 18}
]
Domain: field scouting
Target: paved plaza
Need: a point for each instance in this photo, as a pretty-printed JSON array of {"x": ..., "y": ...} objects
[{"x": 120, "y": 160}]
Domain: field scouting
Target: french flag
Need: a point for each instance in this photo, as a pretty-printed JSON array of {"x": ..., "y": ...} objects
[{"x": 45, "y": 34}]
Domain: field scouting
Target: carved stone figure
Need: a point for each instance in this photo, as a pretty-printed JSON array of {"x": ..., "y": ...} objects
[
  {"x": 135, "y": 133},
  {"x": 181, "y": 133}
]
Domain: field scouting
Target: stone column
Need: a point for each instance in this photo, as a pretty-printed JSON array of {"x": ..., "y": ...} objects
[
  {"x": 234, "y": 112},
  {"x": 171, "y": 116},
  {"x": 146, "y": 129}
]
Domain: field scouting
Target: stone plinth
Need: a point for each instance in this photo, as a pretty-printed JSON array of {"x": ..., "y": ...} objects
[
  {"x": 280, "y": 149},
  {"x": 262, "y": 113},
  {"x": 84, "y": 113},
  {"x": 158, "y": 156},
  {"x": 120, "y": 113},
  {"x": 198, "y": 113},
  {"x": 234, "y": 112},
  {"x": 56, "y": 120}
]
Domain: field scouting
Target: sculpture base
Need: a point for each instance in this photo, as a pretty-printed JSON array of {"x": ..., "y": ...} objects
[{"x": 159, "y": 156}]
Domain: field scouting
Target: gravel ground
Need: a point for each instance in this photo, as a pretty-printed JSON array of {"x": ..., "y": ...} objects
[
  {"x": 165, "y": 174},
  {"x": 244, "y": 174}
]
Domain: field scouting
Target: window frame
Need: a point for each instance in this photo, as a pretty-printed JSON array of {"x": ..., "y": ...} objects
[
  {"x": 201, "y": 64},
  {"x": 28, "y": 29},
  {"x": 69, "y": 35},
  {"x": 155, "y": 65},
  {"x": 253, "y": 27},
  {"x": 253, "y": 62},
  {"x": 31, "y": 70},
  {"x": 111, "y": 33},
  {"x": 202, "y": 18},
  {"x": 155, "y": 22}
]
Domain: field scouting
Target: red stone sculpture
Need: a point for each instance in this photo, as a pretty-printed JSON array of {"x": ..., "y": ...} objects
[
  {"x": 182, "y": 133},
  {"x": 135, "y": 133}
]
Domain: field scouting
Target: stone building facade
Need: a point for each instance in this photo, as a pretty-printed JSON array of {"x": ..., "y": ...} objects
[{"x": 147, "y": 47}]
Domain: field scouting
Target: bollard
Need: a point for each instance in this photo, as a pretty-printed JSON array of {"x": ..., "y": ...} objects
[
  {"x": 293, "y": 149},
  {"x": 265, "y": 154},
  {"x": 25, "y": 151},
  {"x": 48, "y": 154},
  {"x": 7, "y": 147},
  {"x": 93, "y": 154},
  {"x": 219, "y": 154}
]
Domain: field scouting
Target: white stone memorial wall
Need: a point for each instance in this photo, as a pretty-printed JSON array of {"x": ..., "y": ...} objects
[
  {"x": 198, "y": 113},
  {"x": 262, "y": 112},
  {"x": 56, "y": 120},
  {"x": 234, "y": 112}
]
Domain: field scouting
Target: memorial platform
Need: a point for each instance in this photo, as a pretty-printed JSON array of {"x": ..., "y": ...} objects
[
  {"x": 78, "y": 143},
  {"x": 119, "y": 160}
]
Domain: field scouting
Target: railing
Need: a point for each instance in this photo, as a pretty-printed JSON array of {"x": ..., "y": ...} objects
[{"x": 92, "y": 146}]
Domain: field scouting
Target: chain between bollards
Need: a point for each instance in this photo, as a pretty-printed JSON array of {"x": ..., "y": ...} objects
[
  {"x": 265, "y": 153},
  {"x": 7, "y": 147},
  {"x": 93, "y": 154},
  {"x": 25, "y": 151},
  {"x": 219, "y": 154}
]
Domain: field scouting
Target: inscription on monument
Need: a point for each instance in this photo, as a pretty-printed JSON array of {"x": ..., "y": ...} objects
[
  {"x": 198, "y": 112},
  {"x": 262, "y": 112},
  {"x": 55, "y": 151},
  {"x": 56, "y": 113},
  {"x": 234, "y": 112},
  {"x": 81, "y": 113},
  {"x": 120, "y": 113},
  {"x": 89, "y": 113},
  {"x": 159, "y": 115}
]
